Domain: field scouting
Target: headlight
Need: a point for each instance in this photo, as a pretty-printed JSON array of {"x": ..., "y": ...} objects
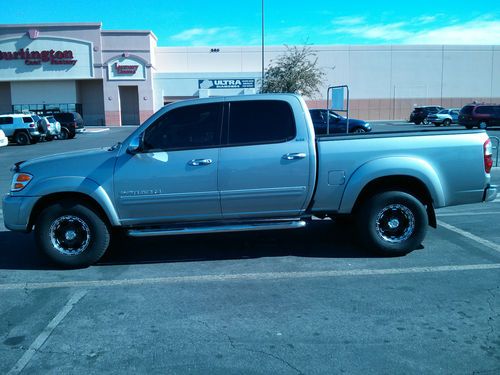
[{"x": 20, "y": 181}]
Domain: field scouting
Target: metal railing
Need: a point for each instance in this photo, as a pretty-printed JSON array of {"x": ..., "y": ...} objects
[{"x": 495, "y": 149}]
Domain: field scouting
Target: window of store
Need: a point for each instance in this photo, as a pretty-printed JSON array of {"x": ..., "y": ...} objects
[{"x": 43, "y": 109}]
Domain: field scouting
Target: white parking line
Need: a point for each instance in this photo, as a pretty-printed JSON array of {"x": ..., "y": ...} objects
[
  {"x": 470, "y": 236},
  {"x": 96, "y": 130},
  {"x": 469, "y": 213},
  {"x": 245, "y": 276},
  {"x": 42, "y": 337}
]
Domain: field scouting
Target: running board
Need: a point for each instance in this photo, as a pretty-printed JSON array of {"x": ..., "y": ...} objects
[{"x": 152, "y": 232}]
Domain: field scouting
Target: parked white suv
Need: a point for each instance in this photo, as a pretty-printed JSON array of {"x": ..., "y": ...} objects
[
  {"x": 20, "y": 128},
  {"x": 3, "y": 139}
]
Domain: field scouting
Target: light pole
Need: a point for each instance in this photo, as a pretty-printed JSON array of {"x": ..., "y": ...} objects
[{"x": 262, "y": 81}]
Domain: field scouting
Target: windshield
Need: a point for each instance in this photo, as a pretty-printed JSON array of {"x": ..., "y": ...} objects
[{"x": 443, "y": 112}]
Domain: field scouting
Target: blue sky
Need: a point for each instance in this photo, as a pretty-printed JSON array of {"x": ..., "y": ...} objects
[{"x": 224, "y": 22}]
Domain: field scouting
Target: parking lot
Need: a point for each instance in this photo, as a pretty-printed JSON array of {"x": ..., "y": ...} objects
[{"x": 308, "y": 301}]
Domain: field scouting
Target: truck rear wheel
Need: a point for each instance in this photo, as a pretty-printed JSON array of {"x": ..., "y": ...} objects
[
  {"x": 392, "y": 223},
  {"x": 72, "y": 234}
]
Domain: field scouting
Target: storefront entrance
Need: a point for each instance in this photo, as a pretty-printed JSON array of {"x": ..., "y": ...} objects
[{"x": 129, "y": 105}]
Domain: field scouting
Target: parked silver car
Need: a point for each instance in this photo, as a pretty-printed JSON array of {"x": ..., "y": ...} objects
[
  {"x": 53, "y": 128},
  {"x": 444, "y": 117}
]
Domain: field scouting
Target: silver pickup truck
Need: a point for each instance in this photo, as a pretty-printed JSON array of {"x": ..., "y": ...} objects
[{"x": 245, "y": 163}]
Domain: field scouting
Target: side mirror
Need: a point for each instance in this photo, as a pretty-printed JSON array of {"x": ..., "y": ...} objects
[{"x": 135, "y": 145}]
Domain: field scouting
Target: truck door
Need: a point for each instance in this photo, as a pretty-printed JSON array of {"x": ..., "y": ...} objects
[
  {"x": 174, "y": 177},
  {"x": 264, "y": 164}
]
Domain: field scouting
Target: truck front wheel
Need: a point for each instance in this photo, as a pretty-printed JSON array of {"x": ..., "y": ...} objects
[
  {"x": 392, "y": 223},
  {"x": 71, "y": 234}
]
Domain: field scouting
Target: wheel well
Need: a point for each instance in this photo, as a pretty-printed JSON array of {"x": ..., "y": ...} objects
[
  {"x": 407, "y": 184},
  {"x": 81, "y": 198}
]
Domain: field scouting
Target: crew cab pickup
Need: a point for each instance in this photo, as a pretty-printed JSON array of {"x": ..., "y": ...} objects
[{"x": 245, "y": 163}]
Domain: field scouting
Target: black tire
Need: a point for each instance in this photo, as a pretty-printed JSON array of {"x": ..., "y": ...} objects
[
  {"x": 417, "y": 122},
  {"x": 447, "y": 122},
  {"x": 71, "y": 234},
  {"x": 437, "y": 124},
  {"x": 72, "y": 135},
  {"x": 392, "y": 223},
  {"x": 468, "y": 127},
  {"x": 64, "y": 134},
  {"x": 22, "y": 138}
]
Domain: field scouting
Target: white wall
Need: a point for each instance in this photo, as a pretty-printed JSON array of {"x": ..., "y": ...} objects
[
  {"x": 372, "y": 72},
  {"x": 39, "y": 92}
]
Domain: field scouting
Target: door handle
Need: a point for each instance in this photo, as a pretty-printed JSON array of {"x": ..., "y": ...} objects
[
  {"x": 294, "y": 156},
  {"x": 197, "y": 162}
]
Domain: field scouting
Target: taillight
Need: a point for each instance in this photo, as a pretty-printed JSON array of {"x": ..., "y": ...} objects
[
  {"x": 32, "y": 125},
  {"x": 488, "y": 156}
]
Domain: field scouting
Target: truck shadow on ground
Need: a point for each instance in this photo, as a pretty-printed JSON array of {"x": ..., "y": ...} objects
[{"x": 321, "y": 239}]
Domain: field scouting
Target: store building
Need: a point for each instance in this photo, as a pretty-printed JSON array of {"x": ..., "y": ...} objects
[
  {"x": 104, "y": 75},
  {"x": 121, "y": 77}
]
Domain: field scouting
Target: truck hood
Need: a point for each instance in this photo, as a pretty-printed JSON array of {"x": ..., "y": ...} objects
[
  {"x": 94, "y": 164},
  {"x": 66, "y": 156}
]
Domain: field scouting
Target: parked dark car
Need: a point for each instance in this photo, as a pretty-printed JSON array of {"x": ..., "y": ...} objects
[
  {"x": 480, "y": 115},
  {"x": 71, "y": 123},
  {"x": 338, "y": 123},
  {"x": 419, "y": 114}
]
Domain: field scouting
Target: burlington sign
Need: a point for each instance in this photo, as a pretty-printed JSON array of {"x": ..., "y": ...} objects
[{"x": 38, "y": 57}]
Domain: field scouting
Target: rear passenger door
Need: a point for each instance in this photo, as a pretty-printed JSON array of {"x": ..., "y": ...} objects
[{"x": 263, "y": 164}]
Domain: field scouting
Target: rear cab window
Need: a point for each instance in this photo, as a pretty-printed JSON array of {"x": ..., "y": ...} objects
[{"x": 260, "y": 122}]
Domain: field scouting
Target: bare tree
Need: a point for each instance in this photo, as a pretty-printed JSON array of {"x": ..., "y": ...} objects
[{"x": 296, "y": 71}]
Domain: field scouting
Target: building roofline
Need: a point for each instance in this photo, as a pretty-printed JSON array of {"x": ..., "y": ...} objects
[
  {"x": 147, "y": 32},
  {"x": 55, "y": 24}
]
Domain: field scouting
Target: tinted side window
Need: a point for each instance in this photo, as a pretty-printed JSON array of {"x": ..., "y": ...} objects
[
  {"x": 27, "y": 120},
  {"x": 316, "y": 116},
  {"x": 6, "y": 120},
  {"x": 467, "y": 110},
  {"x": 195, "y": 126},
  {"x": 486, "y": 109},
  {"x": 260, "y": 121},
  {"x": 64, "y": 117}
]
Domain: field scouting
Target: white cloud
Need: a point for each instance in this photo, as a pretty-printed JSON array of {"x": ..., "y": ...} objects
[
  {"x": 473, "y": 32},
  {"x": 348, "y": 20},
  {"x": 206, "y": 36},
  {"x": 420, "y": 30}
]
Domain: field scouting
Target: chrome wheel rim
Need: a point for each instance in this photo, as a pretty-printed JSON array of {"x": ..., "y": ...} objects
[
  {"x": 482, "y": 125},
  {"x": 70, "y": 235},
  {"x": 395, "y": 223}
]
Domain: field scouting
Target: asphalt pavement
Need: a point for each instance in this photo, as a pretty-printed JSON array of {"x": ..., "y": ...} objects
[{"x": 307, "y": 301}]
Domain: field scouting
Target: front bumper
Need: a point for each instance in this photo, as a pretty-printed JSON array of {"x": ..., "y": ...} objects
[
  {"x": 17, "y": 211},
  {"x": 490, "y": 193}
]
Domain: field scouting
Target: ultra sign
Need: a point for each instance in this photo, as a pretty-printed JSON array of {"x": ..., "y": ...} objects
[{"x": 245, "y": 83}]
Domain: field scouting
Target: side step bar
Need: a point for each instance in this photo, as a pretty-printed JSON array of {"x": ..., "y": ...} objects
[{"x": 152, "y": 232}]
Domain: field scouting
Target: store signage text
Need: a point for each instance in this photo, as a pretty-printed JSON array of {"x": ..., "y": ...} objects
[
  {"x": 226, "y": 83},
  {"x": 38, "y": 57},
  {"x": 126, "y": 69}
]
